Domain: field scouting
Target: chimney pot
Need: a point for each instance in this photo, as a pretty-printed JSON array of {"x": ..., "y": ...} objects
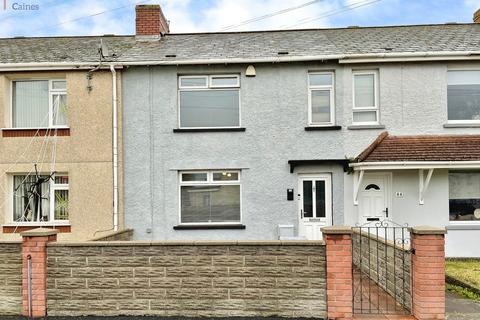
[
  {"x": 150, "y": 23},
  {"x": 476, "y": 16}
]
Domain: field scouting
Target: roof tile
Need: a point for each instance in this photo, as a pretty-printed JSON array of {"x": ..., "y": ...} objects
[
  {"x": 247, "y": 45},
  {"x": 423, "y": 148}
]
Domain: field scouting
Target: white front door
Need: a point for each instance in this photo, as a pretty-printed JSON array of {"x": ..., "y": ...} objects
[
  {"x": 314, "y": 204},
  {"x": 373, "y": 198}
]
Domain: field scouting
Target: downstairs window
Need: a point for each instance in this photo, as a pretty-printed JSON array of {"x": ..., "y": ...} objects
[
  {"x": 41, "y": 199},
  {"x": 210, "y": 197},
  {"x": 464, "y": 191}
]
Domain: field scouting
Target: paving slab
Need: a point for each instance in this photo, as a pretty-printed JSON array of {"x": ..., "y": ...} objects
[{"x": 460, "y": 308}]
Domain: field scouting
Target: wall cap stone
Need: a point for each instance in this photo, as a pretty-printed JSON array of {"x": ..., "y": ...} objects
[
  {"x": 39, "y": 232},
  {"x": 11, "y": 242},
  {"x": 189, "y": 243},
  {"x": 427, "y": 230},
  {"x": 337, "y": 230}
]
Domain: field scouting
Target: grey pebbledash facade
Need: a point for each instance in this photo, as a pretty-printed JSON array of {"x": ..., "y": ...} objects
[
  {"x": 274, "y": 108},
  {"x": 274, "y": 122},
  {"x": 280, "y": 159}
]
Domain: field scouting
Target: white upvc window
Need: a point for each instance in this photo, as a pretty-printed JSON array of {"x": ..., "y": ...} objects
[
  {"x": 39, "y": 103},
  {"x": 321, "y": 99},
  {"x": 210, "y": 197},
  {"x": 464, "y": 196},
  {"x": 463, "y": 101},
  {"x": 365, "y": 97},
  {"x": 209, "y": 101},
  {"x": 41, "y": 199}
]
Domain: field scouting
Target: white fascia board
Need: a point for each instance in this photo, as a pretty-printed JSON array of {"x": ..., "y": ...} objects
[
  {"x": 236, "y": 60},
  {"x": 342, "y": 58},
  {"x": 39, "y": 66},
  {"x": 406, "y": 165},
  {"x": 411, "y": 56}
]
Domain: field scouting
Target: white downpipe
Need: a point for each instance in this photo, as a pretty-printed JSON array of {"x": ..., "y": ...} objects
[{"x": 115, "y": 147}]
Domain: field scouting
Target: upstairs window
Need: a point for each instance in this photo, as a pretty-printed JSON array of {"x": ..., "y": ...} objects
[
  {"x": 464, "y": 96},
  {"x": 365, "y": 97},
  {"x": 209, "y": 101},
  {"x": 321, "y": 99},
  {"x": 40, "y": 202},
  {"x": 39, "y": 103},
  {"x": 210, "y": 197}
]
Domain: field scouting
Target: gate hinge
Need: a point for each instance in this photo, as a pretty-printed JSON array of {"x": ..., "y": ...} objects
[{"x": 412, "y": 251}]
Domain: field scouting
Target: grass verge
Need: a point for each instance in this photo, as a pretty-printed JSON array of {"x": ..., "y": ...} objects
[
  {"x": 463, "y": 277},
  {"x": 463, "y": 292},
  {"x": 465, "y": 270}
]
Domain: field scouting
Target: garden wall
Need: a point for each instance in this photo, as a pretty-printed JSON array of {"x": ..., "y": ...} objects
[
  {"x": 266, "y": 278},
  {"x": 10, "y": 278}
]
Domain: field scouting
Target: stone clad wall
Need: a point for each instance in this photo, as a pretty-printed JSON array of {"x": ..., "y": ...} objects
[
  {"x": 187, "y": 279},
  {"x": 387, "y": 264},
  {"x": 10, "y": 278}
]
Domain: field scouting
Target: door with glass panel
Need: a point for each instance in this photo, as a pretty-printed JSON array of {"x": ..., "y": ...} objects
[{"x": 314, "y": 205}]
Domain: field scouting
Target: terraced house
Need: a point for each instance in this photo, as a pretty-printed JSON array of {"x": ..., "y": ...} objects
[
  {"x": 275, "y": 134},
  {"x": 59, "y": 108},
  {"x": 243, "y": 135}
]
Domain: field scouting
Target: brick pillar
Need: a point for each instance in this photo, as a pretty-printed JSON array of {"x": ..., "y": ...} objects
[
  {"x": 338, "y": 240},
  {"x": 35, "y": 245},
  {"x": 428, "y": 272}
]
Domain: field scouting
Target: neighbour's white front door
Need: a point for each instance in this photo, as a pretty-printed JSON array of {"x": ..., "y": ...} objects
[
  {"x": 373, "y": 197},
  {"x": 314, "y": 204}
]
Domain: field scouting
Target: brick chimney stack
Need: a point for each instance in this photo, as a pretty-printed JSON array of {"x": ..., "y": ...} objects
[
  {"x": 150, "y": 23},
  {"x": 476, "y": 16}
]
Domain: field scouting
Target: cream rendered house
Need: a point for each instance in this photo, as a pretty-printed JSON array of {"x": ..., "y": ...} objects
[{"x": 60, "y": 165}]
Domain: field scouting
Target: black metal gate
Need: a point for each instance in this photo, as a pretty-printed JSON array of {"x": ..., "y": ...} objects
[{"x": 381, "y": 269}]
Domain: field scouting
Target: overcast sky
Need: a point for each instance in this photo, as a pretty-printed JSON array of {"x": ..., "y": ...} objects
[{"x": 70, "y": 17}]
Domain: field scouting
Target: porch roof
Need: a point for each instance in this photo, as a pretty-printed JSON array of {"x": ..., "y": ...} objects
[{"x": 420, "y": 151}]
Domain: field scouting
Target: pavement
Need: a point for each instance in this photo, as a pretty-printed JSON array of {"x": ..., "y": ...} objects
[{"x": 460, "y": 308}]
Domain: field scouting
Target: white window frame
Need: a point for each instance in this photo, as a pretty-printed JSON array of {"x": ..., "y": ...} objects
[
  {"x": 376, "y": 107},
  {"x": 51, "y": 93},
  {"x": 464, "y": 222},
  {"x": 51, "y": 215},
  {"x": 208, "y": 87},
  {"x": 209, "y": 181},
  {"x": 193, "y": 77},
  {"x": 331, "y": 89},
  {"x": 460, "y": 121}
]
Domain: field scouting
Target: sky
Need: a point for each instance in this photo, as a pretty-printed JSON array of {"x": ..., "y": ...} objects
[{"x": 98, "y": 17}]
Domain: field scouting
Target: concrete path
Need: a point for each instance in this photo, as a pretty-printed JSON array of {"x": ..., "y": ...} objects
[{"x": 460, "y": 308}]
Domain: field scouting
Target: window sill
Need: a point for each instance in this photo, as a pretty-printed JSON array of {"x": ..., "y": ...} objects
[
  {"x": 20, "y": 227},
  {"x": 461, "y": 125},
  {"x": 31, "y": 132},
  {"x": 323, "y": 128},
  {"x": 208, "y": 227},
  {"x": 464, "y": 226},
  {"x": 365, "y": 126},
  {"x": 209, "y": 130}
]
